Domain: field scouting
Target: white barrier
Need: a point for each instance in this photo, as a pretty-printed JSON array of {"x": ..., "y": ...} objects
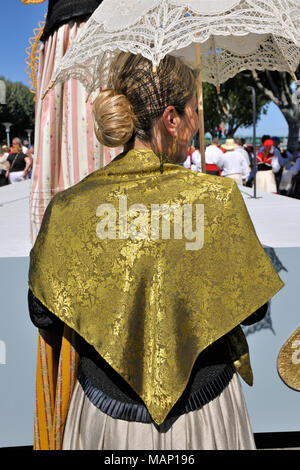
[{"x": 2, "y": 353}]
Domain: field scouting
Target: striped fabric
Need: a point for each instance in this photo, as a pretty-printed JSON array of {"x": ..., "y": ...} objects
[
  {"x": 57, "y": 364},
  {"x": 66, "y": 150},
  {"x": 67, "y": 373}
]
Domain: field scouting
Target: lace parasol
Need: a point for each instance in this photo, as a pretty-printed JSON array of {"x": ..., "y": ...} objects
[
  {"x": 220, "y": 37},
  {"x": 234, "y": 35}
]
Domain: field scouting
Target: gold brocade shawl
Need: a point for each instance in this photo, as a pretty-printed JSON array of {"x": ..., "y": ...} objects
[{"x": 148, "y": 304}]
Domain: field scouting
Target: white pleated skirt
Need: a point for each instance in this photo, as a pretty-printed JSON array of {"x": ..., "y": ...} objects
[
  {"x": 265, "y": 181},
  {"x": 237, "y": 177},
  {"x": 221, "y": 424}
]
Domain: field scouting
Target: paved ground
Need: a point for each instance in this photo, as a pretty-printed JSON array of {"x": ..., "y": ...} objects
[
  {"x": 276, "y": 218},
  {"x": 14, "y": 220}
]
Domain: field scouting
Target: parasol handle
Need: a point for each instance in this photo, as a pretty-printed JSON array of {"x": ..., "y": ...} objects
[{"x": 200, "y": 108}]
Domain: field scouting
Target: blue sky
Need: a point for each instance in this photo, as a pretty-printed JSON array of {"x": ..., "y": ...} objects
[
  {"x": 18, "y": 22},
  {"x": 273, "y": 123}
]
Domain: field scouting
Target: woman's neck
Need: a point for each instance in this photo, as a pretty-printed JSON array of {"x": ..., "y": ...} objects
[{"x": 139, "y": 144}]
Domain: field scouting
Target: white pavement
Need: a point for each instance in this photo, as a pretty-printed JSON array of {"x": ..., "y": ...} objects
[
  {"x": 276, "y": 219},
  {"x": 14, "y": 220}
]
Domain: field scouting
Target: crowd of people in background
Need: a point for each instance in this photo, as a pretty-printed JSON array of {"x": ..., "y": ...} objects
[
  {"x": 15, "y": 162},
  {"x": 278, "y": 172}
]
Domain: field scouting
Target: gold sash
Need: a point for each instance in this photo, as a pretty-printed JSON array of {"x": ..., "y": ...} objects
[{"x": 150, "y": 301}]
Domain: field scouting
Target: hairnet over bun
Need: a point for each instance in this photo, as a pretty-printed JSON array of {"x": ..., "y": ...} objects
[{"x": 114, "y": 119}]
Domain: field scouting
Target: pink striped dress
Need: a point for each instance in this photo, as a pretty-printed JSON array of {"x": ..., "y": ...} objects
[{"x": 65, "y": 148}]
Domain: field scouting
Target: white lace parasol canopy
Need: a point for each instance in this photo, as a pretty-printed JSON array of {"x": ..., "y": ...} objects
[{"x": 234, "y": 35}]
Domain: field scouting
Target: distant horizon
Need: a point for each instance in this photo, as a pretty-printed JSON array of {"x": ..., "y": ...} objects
[{"x": 250, "y": 136}]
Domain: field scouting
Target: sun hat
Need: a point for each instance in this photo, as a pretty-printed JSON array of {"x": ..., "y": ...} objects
[{"x": 229, "y": 144}]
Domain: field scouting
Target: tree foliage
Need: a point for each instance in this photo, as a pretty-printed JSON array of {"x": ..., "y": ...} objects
[
  {"x": 232, "y": 106},
  {"x": 277, "y": 87},
  {"x": 19, "y": 110}
]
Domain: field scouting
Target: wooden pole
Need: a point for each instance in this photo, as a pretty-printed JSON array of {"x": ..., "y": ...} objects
[
  {"x": 200, "y": 108},
  {"x": 254, "y": 163}
]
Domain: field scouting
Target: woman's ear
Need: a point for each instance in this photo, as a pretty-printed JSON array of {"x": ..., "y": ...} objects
[{"x": 171, "y": 120}]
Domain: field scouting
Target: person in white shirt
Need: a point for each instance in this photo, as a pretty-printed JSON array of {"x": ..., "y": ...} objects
[
  {"x": 194, "y": 162},
  {"x": 6, "y": 150},
  {"x": 25, "y": 146},
  {"x": 188, "y": 161},
  {"x": 234, "y": 163},
  {"x": 213, "y": 158},
  {"x": 196, "y": 159},
  {"x": 3, "y": 171},
  {"x": 241, "y": 149}
]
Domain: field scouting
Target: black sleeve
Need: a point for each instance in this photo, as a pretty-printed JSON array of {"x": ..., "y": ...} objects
[
  {"x": 40, "y": 316},
  {"x": 256, "y": 316}
]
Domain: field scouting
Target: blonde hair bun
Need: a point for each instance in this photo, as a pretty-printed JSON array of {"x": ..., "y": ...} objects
[{"x": 114, "y": 119}]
